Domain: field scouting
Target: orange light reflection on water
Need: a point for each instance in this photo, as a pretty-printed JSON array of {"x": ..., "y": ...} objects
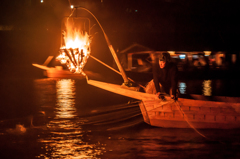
[
  {"x": 65, "y": 99},
  {"x": 207, "y": 88},
  {"x": 65, "y": 139}
]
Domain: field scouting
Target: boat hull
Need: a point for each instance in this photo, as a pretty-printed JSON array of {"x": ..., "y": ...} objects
[
  {"x": 56, "y": 73},
  {"x": 59, "y": 72},
  {"x": 184, "y": 113},
  {"x": 187, "y": 113}
]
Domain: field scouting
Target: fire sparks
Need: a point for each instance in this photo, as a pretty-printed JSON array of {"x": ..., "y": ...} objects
[{"x": 76, "y": 49}]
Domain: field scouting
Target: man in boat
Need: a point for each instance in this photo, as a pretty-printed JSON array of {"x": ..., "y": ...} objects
[{"x": 165, "y": 77}]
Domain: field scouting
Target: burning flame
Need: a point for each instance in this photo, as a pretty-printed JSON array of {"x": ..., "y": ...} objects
[{"x": 76, "y": 50}]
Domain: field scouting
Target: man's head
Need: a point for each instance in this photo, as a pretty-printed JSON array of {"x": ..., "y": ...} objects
[
  {"x": 163, "y": 59},
  {"x": 162, "y": 64}
]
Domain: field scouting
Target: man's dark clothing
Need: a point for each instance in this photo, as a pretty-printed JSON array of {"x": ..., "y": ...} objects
[{"x": 167, "y": 77}]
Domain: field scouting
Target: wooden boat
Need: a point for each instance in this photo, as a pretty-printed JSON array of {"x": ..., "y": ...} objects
[
  {"x": 184, "y": 113},
  {"x": 196, "y": 113},
  {"x": 57, "y": 71}
]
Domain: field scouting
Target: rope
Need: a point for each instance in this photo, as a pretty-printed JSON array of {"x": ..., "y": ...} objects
[
  {"x": 114, "y": 70},
  {"x": 186, "y": 118}
]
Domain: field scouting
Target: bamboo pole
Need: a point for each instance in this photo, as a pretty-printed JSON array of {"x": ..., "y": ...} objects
[
  {"x": 114, "y": 70},
  {"x": 124, "y": 76}
]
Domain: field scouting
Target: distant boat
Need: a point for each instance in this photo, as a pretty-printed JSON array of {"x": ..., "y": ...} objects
[{"x": 57, "y": 71}]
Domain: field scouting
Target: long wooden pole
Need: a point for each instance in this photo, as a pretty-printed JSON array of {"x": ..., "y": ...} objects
[
  {"x": 115, "y": 70},
  {"x": 124, "y": 76}
]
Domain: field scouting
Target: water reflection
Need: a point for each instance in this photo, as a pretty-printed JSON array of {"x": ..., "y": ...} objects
[
  {"x": 196, "y": 87},
  {"x": 182, "y": 87},
  {"x": 65, "y": 138},
  {"x": 65, "y": 99},
  {"x": 207, "y": 88}
]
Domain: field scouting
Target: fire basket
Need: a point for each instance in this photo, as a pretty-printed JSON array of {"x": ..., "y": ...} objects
[{"x": 75, "y": 45}]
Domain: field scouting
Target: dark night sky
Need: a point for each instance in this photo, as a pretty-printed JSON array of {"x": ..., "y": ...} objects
[
  {"x": 176, "y": 23},
  {"x": 186, "y": 25},
  {"x": 185, "y": 22}
]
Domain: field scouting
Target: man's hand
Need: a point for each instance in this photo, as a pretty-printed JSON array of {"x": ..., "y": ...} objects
[
  {"x": 174, "y": 97},
  {"x": 160, "y": 96}
]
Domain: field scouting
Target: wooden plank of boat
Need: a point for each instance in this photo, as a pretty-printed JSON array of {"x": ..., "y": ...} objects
[
  {"x": 201, "y": 114},
  {"x": 58, "y": 72},
  {"x": 123, "y": 90},
  {"x": 151, "y": 98},
  {"x": 170, "y": 114},
  {"x": 41, "y": 66}
]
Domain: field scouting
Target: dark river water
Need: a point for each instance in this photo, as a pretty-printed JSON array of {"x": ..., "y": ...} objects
[{"x": 67, "y": 118}]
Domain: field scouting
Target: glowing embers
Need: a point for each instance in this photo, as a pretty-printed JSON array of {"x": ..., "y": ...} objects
[{"x": 76, "y": 51}]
